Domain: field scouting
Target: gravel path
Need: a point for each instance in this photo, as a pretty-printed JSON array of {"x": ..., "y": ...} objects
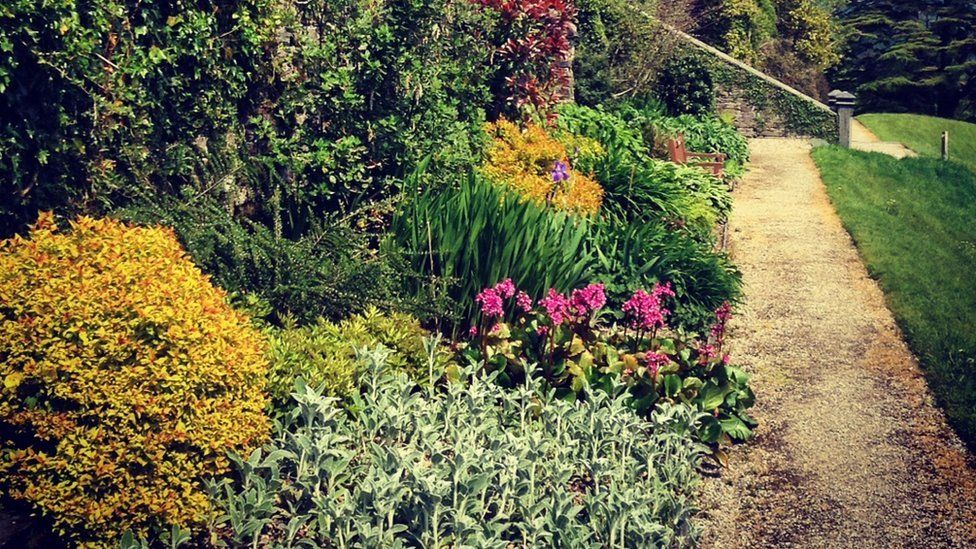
[
  {"x": 864, "y": 139},
  {"x": 850, "y": 451}
]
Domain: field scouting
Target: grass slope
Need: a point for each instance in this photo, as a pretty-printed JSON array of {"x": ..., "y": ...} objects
[
  {"x": 914, "y": 222},
  {"x": 923, "y": 134}
]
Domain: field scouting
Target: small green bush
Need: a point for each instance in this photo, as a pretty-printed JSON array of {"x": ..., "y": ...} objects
[
  {"x": 324, "y": 353},
  {"x": 472, "y": 465},
  {"x": 636, "y": 254},
  {"x": 686, "y": 87}
]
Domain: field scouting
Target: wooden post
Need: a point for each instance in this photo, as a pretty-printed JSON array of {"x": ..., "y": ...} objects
[{"x": 945, "y": 145}]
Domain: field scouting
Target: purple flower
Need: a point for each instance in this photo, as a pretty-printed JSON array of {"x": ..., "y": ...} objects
[
  {"x": 491, "y": 302},
  {"x": 590, "y": 298},
  {"x": 523, "y": 301},
  {"x": 560, "y": 171}
]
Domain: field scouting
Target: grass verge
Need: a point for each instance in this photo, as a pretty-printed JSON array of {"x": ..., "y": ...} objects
[
  {"x": 914, "y": 222},
  {"x": 923, "y": 134}
]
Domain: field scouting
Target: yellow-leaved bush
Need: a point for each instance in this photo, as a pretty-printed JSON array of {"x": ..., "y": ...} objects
[
  {"x": 523, "y": 159},
  {"x": 126, "y": 379}
]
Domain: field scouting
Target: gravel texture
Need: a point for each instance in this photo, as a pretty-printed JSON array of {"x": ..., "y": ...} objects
[{"x": 851, "y": 451}]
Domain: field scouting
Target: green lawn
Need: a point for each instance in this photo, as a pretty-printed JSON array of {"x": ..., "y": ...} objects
[
  {"x": 923, "y": 134},
  {"x": 914, "y": 222}
]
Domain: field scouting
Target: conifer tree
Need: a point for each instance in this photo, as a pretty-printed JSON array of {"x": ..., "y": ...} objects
[{"x": 910, "y": 56}]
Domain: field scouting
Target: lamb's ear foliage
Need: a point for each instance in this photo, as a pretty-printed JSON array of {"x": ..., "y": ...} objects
[{"x": 470, "y": 464}]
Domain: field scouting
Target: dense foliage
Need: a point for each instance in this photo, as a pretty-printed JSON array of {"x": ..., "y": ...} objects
[
  {"x": 323, "y": 354},
  {"x": 532, "y": 40},
  {"x": 352, "y": 173},
  {"x": 330, "y": 272},
  {"x": 317, "y": 104},
  {"x": 622, "y": 47},
  {"x": 126, "y": 378},
  {"x": 917, "y": 57},
  {"x": 569, "y": 341},
  {"x": 475, "y": 235},
  {"x": 686, "y": 87},
  {"x": 473, "y": 464},
  {"x": 794, "y": 40}
]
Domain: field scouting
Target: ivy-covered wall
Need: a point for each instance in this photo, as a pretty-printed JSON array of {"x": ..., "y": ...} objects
[{"x": 760, "y": 105}]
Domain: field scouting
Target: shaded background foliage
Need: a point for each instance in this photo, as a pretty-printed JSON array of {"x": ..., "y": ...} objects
[{"x": 917, "y": 57}]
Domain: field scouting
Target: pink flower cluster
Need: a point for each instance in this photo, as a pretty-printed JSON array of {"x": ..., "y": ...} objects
[
  {"x": 655, "y": 361},
  {"x": 492, "y": 300},
  {"x": 722, "y": 316},
  {"x": 581, "y": 302},
  {"x": 646, "y": 311},
  {"x": 706, "y": 353},
  {"x": 556, "y": 306},
  {"x": 589, "y": 299}
]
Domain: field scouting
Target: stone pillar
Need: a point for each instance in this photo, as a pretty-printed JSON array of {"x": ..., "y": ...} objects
[{"x": 843, "y": 104}]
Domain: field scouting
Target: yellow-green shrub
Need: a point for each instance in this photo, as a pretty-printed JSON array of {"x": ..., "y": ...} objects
[
  {"x": 523, "y": 160},
  {"x": 324, "y": 353},
  {"x": 126, "y": 378}
]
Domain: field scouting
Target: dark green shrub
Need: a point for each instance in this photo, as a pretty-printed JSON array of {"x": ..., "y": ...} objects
[
  {"x": 622, "y": 46},
  {"x": 328, "y": 273},
  {"x": 638, "y": 253},
  {"x": 686, "y": 87},
  {"x": 639, "y": 187},
  {"x": 327, "y": 100}
]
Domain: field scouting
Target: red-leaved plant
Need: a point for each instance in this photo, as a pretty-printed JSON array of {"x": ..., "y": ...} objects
[{"x": 531, "y": 61}]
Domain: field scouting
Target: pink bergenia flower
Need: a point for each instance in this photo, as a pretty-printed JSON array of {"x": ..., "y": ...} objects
[
  {"x": 472, "y": 331},
  {"x": 523, "y": 301},
  {"x": 496, "y": 328},
  {"x": 543, "y": 331},
  {"x": 645, "y": 311},
  {"x": 722, "y": 316},
  {"x": 588, "y": 299},
  {"x": 505, "y": 288},
  {"x": 556, "y": 305},
  {"x": 655, "y": 361},
  {"x": 663, "y": 290},
  {"x": 706, "y": 352},
  {"x": 491, "y": 302},
  {"x": 726, "y": 358}
]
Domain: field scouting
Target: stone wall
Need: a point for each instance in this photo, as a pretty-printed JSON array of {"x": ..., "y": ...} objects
[{"x": 760, "y": 105}]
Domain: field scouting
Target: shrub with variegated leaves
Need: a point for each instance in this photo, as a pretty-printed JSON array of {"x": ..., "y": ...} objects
[{"x": 126, "y": 379}]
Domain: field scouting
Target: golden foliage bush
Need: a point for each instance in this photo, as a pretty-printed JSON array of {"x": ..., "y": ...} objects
[
  {"x": 324, "y": 353},
  {"x": 523, "y": 160},
  {"x": 126, "y": 378}
]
